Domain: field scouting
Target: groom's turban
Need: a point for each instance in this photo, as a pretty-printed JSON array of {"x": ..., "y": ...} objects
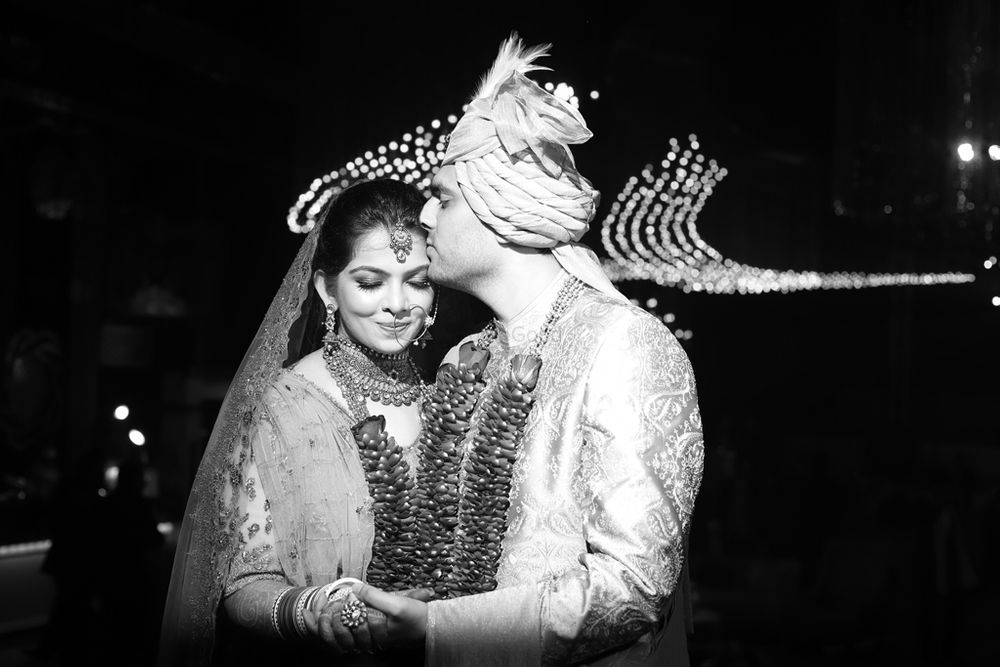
[{"x": 514, "y": 166}]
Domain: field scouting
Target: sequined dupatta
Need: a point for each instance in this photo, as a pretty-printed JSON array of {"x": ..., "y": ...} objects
[{"x": 209, "y": 535}]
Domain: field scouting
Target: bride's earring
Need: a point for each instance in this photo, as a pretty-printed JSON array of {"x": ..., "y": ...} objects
[
  {"x": 330, "y": 323},
  {"x": 425, "y": 335}
]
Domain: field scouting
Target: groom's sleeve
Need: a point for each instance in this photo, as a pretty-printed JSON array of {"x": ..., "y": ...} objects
[{"x": 641, "y": 467}]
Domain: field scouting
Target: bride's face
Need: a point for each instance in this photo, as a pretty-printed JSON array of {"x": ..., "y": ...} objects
[{"x": 382, "y": 303}]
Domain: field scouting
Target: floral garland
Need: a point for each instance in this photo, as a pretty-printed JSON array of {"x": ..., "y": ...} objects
[
  {"x": 462, "y": 515},
  {"x": 461, "y": 508},
  {"x": 444, "y": 532},
  {"x": 390, "y": 486},
  {"x": 446, "y": 419},
  {"x": 482, "y": 513}
]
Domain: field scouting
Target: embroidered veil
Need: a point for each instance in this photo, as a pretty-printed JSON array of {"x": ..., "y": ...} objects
[{"x": 208, "y": 536}]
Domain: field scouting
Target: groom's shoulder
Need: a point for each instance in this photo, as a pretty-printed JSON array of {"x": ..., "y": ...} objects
[
  {"x": 613, "y": 315},
  {"x": 623, "y": 323}
]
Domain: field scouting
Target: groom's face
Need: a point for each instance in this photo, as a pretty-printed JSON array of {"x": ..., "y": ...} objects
[{"x": 459, "y": 246}]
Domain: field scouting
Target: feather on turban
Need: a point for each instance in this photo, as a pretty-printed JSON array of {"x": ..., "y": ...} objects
[{"x": 514, "y": 166}]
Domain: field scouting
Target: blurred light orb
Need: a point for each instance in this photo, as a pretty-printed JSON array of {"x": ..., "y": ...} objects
[
  {"x": 966, "y": 152},
  {"x": 996, "y": 301},
  {"x": 594, "y": 94},
  {"x": 136, "y": 437},
  {"x": 121, "y": 413},
  {"x": 994, "y": 152}
]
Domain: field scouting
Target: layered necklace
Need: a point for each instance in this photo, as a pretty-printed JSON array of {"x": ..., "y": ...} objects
[
  {"x": 362, "y": 373},
  {"x": 463, "y": 489}
]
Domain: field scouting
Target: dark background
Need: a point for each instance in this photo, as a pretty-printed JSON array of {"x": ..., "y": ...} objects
[{"x": 149, "y": 153}]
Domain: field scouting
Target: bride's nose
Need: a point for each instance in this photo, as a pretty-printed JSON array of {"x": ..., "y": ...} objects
[{"x": 395, "y": 302}]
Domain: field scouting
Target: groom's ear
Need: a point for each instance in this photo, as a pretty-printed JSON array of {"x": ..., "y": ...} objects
[{"x": 320, "y": 283}]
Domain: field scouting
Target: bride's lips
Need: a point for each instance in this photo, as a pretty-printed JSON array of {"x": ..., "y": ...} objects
[{"x": 401, "y": 326}]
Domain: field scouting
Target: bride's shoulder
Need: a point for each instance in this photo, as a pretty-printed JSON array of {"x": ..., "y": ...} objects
[{"x": 312, "y": 366}]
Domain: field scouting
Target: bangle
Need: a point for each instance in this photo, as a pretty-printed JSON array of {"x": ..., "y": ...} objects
[
  {"x": 301, "y": 602},
  {"x": 332, "y": 588},
  {"x": 286, "y": 613},
  {"x": 274, "y": 611}
]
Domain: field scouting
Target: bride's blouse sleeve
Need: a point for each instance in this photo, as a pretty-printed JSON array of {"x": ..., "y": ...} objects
[{"x": 255, "y": 558}]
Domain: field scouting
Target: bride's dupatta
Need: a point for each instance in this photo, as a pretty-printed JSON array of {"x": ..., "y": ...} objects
[{"x": 208, "y": 536}]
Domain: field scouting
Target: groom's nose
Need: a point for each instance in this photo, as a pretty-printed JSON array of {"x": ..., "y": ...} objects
[{"x": 428, "y": 214}]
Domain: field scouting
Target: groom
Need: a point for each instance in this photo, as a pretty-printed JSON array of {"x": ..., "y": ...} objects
[{"x": 588, "y": 562}]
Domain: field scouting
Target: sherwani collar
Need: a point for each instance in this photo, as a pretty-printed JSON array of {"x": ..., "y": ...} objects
[{"x": 523, "y": 327}]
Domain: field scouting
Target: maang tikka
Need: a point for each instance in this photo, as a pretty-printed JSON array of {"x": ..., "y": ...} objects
[{"x": 400, "y": 241}]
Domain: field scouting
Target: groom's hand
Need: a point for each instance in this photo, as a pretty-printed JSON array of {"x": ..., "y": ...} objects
[
  {"x": 422, "y": 594},
  {"x": 406, "y": 613}
]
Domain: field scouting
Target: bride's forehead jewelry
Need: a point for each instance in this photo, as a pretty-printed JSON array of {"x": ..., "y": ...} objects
[{"x": 400, "y": 241}]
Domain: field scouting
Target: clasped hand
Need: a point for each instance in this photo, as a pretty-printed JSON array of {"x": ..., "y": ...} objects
[{"x": 394, "y": 621}]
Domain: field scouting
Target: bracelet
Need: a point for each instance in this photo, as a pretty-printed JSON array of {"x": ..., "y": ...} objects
[
  {"x": 301, "y": 602},
  {"x": 331, "y": 588},
  {"x": 274, "y": 611}
]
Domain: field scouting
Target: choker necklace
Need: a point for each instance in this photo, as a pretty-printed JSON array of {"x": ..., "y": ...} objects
[{"x": 363, "y": 373}]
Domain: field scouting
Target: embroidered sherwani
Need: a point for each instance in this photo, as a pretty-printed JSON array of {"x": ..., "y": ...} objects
[{"x": 602, "y": 495}]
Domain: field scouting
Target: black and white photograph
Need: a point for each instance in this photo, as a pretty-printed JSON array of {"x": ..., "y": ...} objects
[{"x": 517, "y": 333}]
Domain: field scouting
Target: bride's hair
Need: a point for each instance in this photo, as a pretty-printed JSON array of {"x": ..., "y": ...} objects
[{"x": 358, "y": 210}]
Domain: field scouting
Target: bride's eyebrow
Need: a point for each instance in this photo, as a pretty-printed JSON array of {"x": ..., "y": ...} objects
[
  {"x": 371, "y": 269},
  {"x": 379, "y": 272}
]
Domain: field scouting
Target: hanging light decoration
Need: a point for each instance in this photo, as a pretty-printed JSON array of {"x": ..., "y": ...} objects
[
  {"x": 414, "y": 158},
  {"x": 651, "y": 234}
]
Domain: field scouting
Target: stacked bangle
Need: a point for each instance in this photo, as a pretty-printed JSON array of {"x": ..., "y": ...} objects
[
  {"x": 303, "y": 602},
  {"x": 276, "y": 612},
  {"x": 288, "y": 612}
]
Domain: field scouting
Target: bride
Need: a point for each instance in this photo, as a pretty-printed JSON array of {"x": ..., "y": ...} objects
[{"x": 312, "y": 452}]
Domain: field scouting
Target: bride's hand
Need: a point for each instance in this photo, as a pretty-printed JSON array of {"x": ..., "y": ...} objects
[{"x": 324, "y": 621}]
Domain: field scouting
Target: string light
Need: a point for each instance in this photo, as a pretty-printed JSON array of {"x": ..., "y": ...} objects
[
  {"x": 651, "y": 234},
  {"x": 394, "y": 160}
]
